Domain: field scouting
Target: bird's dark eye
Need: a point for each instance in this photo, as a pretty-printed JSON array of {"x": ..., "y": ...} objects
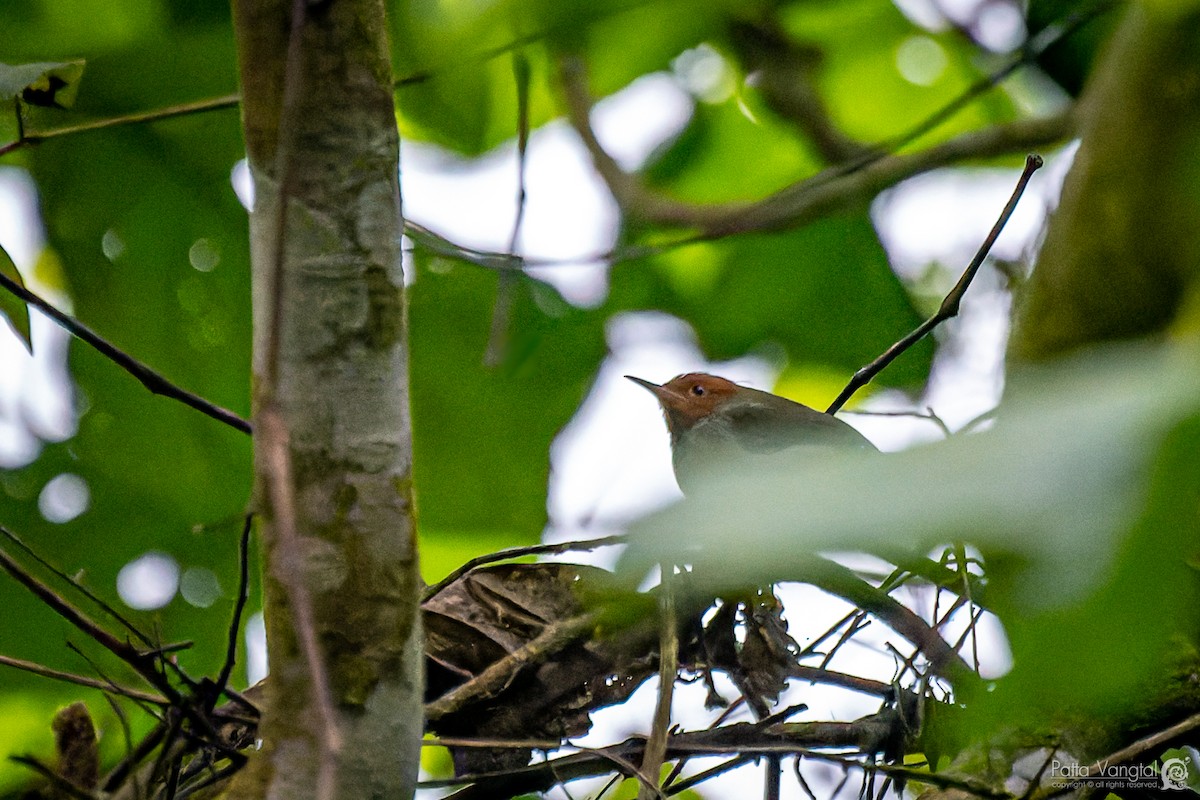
[{"x": 698, "y": 390}]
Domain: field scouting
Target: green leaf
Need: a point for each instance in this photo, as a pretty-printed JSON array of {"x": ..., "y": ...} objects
[
  {"x": 482, "y": 435},
  {"x": 824, "y": 293},
  {"x": 14, "y": 310},
  {"x": 1069, "y": 62},
  {"x": 868, "y": 96},
  {"x": 457, "y": 83},
  {"x": 49, "y": 84},
  {"x": 735, "y": 150}
]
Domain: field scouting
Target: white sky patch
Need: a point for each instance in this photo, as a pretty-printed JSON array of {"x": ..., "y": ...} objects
[
  {"x": 255, "y": 639},
  {"x": 570, "y": 216},
  {"x": 35, "y": 395}
]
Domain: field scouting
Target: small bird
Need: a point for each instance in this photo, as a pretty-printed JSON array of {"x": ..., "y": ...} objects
[{"x": 717, "y": 425}]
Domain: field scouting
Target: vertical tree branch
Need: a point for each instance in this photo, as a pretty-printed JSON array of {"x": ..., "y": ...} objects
[{"x": 668, "y": 668}]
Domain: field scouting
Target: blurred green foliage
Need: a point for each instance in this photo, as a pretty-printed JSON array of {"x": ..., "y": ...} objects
[
  {"x": 125, "y": 209},
  {"x": 1085, "y": 514}
]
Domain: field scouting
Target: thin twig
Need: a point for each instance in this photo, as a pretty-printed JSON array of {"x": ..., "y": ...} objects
[
  {"x": 771, "y": 785},
  {"x": 668, "y": 668},
  {"x": 216, "y": 777},
  {"x": 835, "y": 579},
  {"x": 645, "y": 781},
  {"x": 742, "y": 739},
  {"x": 606, "y": 788},
  {"x": 497, "y": 336},
  {"x": 950, "y": 305},
  {"x": 584, "y": 545},
  {"x": 833, "y": 678},
  {"x": 858, "y": 623},
  {"x": 491, "y": 744},
  {"x": 122, "y": 650},
  {"x": 228, "y": 101},
  {"x": 125, "y": 768},
  {"x": 1036, "y": 781},
  {"x": 82, "y": 680},
  {"x": 239, "y": 606},
  {"x": 804, "y": 200},
  {"x": 811, "y": 647},
  {"x": 1028, "y": 54},
  {"x": 800, "y": 778},
  {"x": 123, "y": 720},
  {"x": 944, "y": 780},
  {"x": 152, "y": 380},
  {"x": 60, "y": 783},
  {"x": 153, "y": 648},
  {"x": 91, "y": 662},
  {"x": 681, "y": 786},
  {"x": 928, "y": 415}
]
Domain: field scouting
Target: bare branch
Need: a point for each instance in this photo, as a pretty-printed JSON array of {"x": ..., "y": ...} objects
[
  {"x": 239, "y": 607},
  {"x": 152, "y": 380},
  {"x": 585, "y": 545},
  {"x": 500, "y": 674},
  {"x": 82, "y": 680},
  {"x": 952, "y": 301}
]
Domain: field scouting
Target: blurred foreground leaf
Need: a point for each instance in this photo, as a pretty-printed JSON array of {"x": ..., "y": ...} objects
[{"x": 1082, "y": 500}]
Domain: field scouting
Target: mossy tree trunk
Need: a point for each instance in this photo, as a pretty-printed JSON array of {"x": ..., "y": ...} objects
[{"x": 333, "y": 437}]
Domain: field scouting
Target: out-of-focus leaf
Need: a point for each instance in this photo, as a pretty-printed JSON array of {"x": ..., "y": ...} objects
[
  {"x": 50, "y": 84},
  {"x": 734, "y": 150},
  {"x": 825, "y": 293},
  {"x": 14, "y": 310},
  {"x": 1069, "y": 61},
  {"x": 651, "y": 35},
  {"x": 861, "y": 42},
  {"x": 481, "y": 435},
  {"x": 458, "y": 87},
  {"x": 628, "y": 789},
  {"x": 1082, "y": 500}
]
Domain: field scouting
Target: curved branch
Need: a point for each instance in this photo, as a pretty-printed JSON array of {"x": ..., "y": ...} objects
[{"x": 833, "y": 189}]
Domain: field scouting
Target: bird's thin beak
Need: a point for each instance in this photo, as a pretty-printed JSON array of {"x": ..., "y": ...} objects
[
  {"x": 645, "y": 384},
  {"x": 665, "y": 396}
]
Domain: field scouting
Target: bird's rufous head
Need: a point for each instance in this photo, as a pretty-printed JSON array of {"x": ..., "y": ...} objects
[{"x": 689, "y": 398}]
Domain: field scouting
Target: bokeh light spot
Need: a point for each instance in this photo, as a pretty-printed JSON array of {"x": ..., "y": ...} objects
[
  {"x": 64, "y": 498},
  {"x": 148, "y": 582}
]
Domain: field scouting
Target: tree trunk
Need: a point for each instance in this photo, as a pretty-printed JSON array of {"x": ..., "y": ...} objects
[{"x": 332, "y": 432}]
